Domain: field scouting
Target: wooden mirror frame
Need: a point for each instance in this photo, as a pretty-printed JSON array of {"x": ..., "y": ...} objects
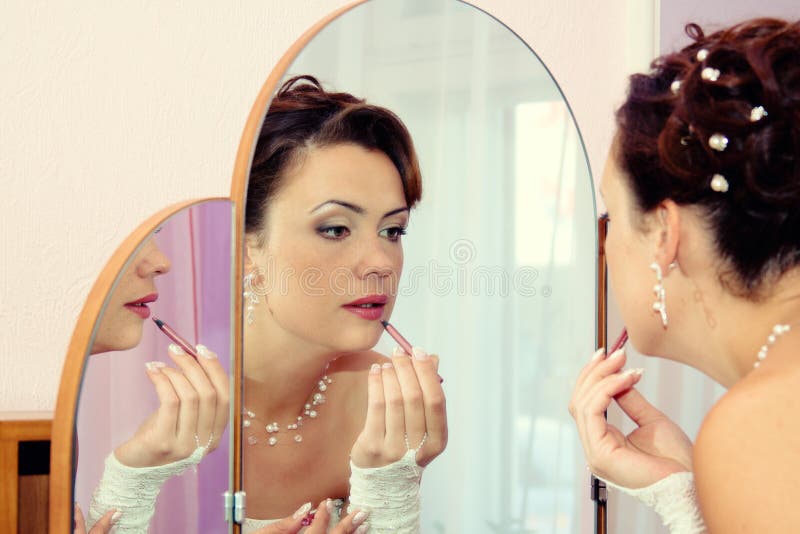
[{"x": 63, "y": 430}]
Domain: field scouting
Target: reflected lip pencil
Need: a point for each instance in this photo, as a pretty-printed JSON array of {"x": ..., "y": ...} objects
[
  {"x": 174, "y": 336},
  {"x": 403, "y": 342},
  {"x": 621, "y": 340}
]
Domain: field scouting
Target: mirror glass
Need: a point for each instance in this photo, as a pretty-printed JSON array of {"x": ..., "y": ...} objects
[
  {"x": 116, "y": 396},
  {"x": 499, "y": 276}
]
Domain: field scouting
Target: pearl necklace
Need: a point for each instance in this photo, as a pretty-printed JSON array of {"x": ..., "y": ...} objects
[
  {"x": 777, "y": 331},
  {"x": 309, "y": 410}
]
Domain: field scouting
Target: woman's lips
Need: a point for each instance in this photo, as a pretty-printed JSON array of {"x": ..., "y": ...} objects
[
  {"x": 369, "y": 307},
  {"x": 139, "y": 306}
]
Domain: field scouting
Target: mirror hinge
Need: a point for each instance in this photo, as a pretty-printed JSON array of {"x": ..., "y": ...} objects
[{"x": 239, "y": 507}]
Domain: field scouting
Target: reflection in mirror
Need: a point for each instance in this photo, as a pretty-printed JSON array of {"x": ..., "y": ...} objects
[
  {"x": 181, "y": 275},
  {"x": 498, "y": 275}
]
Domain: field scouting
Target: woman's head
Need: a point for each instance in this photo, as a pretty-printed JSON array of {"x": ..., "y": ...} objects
[
  {"x": 331, "y": 185},
  {"x": 123, "y": 317},
  {"x": 716, "y": 126}
]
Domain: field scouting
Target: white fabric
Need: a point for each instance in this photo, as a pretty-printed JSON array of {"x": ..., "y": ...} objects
[
  {"x": 251, "y": 525},
  {"x": 390, "y": 494},
  {"x": 674, "y": 499},
  {"x": 133, "y": 491}
]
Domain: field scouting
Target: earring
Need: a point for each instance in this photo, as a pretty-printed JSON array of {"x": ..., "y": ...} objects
[
  {"x": 252, "y": 292},
  {"x": 660, "y": 305}
]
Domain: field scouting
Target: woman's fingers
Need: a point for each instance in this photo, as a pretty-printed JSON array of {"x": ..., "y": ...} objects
[
  {"x": 637, "y": 407},
  {"x": 188, "y": 411},
  {"x": 352, "y": 523},
  {"x": 413, "y": 407},
  {"x": 395, "y": 417},
  {"x": 369, "y": 446},
  {"x": 434, "y": 406},
  {"x": 592, "y": 416},
  {"x": 203, "y": 390},
  {"x": 596, "y": 370},
  {"x": 220, "y": 381},
  {"x": 166, "y": 417}
]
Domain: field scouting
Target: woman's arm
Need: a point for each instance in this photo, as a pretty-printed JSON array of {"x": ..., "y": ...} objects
[{"x": 747, "y": 458}]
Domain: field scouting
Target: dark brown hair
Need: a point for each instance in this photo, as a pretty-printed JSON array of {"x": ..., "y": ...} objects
[
  {"x": 663, "y": 143},
  {"x": 303, "y": 115}
]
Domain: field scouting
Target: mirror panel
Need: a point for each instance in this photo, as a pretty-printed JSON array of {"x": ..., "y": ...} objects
[
  {"x": 500, "y": 268},
  {"x": 116, "y": 396}
]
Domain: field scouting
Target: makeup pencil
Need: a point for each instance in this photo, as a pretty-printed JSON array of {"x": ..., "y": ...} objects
[
  {"x": 403, "y": 342},
  {"x": 173, "y": 335}
]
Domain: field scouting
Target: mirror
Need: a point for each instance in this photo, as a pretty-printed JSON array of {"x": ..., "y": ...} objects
[
  {"x": 177, "y": 267},
  {"x": 499, "y": 276}
]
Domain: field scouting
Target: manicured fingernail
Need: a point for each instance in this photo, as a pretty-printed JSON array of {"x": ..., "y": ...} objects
[
  {"x": 599, "y": 354},
  {"x": 361, "y": 530},
  {"x": 115, "y": 517},
  {"x": 302, "y": 511},
  {"x": 387, "y": 365},
  {"x": 203, "y": 351},
  {"x": 155, "y": 366},
  {"x": 419, "y": 353},
  {"x": 360, "y": 517},
  {"x": 329, "y": 506},
  {"x": 176, "y": 350},
  {"x": 375, "y": 369},
  {"x": 635, "y": 372},
  {"x": 398, "y": 351},
  {"x": 616, "y": 354}
]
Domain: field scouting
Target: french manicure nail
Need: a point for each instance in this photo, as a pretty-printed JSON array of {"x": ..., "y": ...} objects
[
  {"x": 598, "y": 354},
  {"x": 302, "y": 511},
  {"x": 616, "y": 354},
  {"x": 387, "y": 365},
  {"x": 419, "y": 353},
  {"x": 176, "y": 350},
  {"x": 115, "y": 517},
  {"x": 203, "y": 351},
  {"x": 329, "y": 506},
  {"x": 360, "y": 517},
  {"x": 155, "y": 366},
  {"x": 375, "y": 369},
  {"x": 636, "y": 372},
  {"x": 398, "y": 351}
]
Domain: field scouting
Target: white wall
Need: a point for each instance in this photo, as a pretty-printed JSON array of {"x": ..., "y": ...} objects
[{"x": 110, "y": 113}]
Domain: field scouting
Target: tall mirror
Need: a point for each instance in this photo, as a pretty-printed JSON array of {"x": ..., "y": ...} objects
[
  {"x": 498, "y": 275},
  {"x": 151, "y": 430}
]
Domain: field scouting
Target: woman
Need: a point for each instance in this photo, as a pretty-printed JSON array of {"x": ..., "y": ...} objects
[
  {"x": 703, "y": 194},
  {"x": 188, "y": 424},
  {"x": 332, "y": 183}
]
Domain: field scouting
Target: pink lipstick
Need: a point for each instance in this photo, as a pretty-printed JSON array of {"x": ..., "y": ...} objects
[
  {"x": 369, "y": 308},
  {"x": 139, "y": 307}
]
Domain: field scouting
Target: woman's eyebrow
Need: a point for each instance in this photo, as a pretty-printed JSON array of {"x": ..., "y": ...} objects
[
  {"x": 393, "y": 212},
  {"x": 353, "y": 207}
]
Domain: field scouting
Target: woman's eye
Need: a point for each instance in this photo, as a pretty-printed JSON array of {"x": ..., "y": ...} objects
[
  {"x": 333, "y": 232},
  {"x": 394, "y": 233}
]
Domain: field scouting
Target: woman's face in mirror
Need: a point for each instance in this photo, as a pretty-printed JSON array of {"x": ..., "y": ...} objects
[
  {"x": 121, "y": 325},
  {"x": 331, "y": 249}
]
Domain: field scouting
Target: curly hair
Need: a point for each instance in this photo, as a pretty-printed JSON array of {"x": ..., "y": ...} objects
[
  {"x": 303, "y": 115},
  {"x": 669, "y": 115}
]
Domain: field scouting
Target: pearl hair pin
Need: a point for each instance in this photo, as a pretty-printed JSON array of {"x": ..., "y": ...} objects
[
  {"x": 675, "y": 87},
  {"x": 702, "y": 54},
  {"x": 718, "y": 142},
  {"x": 777, "y": 331},
  {"x": 758, "y": 113},
  {"x": 719, "y": 183},
  {"x": 710, "y": 74}
]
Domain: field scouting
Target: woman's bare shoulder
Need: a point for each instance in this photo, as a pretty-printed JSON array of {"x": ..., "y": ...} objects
[{"x": 747, "y": 456}]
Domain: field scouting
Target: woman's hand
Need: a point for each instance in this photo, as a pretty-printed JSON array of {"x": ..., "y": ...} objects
[
  {"x": 406, "y": 410},
  {"x": 350, "y": 524},
  {"x": 193, "y": 412},
  {"x": 654, "y": 450},
  {"x": 103, "y": 526}
]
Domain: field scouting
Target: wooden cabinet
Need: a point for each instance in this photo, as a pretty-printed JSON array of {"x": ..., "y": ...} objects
[{"x": 24, "y": 471}]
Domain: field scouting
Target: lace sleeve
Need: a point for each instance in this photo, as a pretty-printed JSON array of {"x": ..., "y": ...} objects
[
  {"x": 390, "y": 494},
  {"x": 674, "y": 499},
  {"x": 133, "y": 491}
]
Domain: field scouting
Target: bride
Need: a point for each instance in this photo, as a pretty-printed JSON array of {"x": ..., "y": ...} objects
[
  {"x": 327, "y": 419},
  {"x": 703, "y": 192}
]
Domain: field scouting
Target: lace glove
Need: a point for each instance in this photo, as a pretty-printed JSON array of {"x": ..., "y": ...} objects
[
  {"x": 133, "y": 491},
  {"x": 390, "y": 494},
  {"x": 674, "y": 499}
]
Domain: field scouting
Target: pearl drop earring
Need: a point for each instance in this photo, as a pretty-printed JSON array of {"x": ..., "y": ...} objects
[{"x": 660, "y": 305}]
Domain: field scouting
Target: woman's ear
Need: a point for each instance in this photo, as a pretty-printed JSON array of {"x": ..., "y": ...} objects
[
  {"x": 252, "y": 249},
  {"x": 666, "y": 233}
]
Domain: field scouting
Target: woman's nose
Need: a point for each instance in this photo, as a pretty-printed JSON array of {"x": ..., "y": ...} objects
[
  {"x": 378, "y": 260},
  {"x": 153, "y": 261}
]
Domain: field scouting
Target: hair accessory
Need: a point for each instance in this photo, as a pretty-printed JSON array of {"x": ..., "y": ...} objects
[
  {"x": 710, "y": 74},
  {"x": 718, "y": 142},
  {"x": 777, "y": 331},
  {"x": 758, "y": 113},
  {"x": 309, "y": 410},
  {"x": 719, "y": 183},
  {"x": 702, "y": 54},
  {"x": 252, "y": 292},
  {"x": 660, "y": 305},
  {"x": 675, "y": 86}
]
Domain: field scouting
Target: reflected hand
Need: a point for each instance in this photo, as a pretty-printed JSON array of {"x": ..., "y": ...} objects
[
  {"x": 193, "y": 411},
  {"x": 406, "y": 410},
  {"x": 349, "y": 524},
  {"x": 655, "y": 449},
  {"x": 103, "y": 526}
]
